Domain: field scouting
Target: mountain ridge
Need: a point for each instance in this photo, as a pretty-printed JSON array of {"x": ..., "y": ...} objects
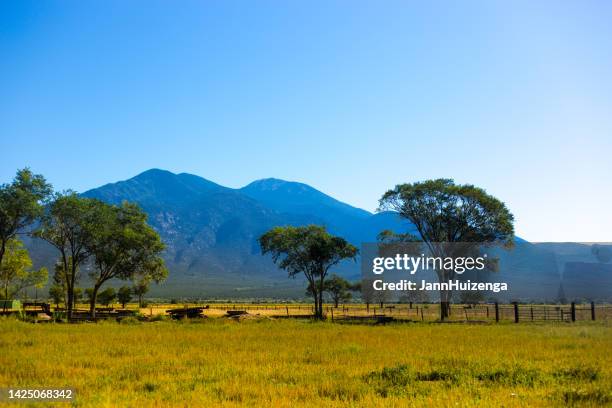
[{"x": 211, "y": 230}]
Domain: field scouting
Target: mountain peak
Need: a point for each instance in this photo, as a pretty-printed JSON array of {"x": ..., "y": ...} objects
[
  {"x": 157, "y": 185},
  {"x": 154, "y": 172},
  {"x": 299, "y": 198},
  {"x": 275, "y": 184}
]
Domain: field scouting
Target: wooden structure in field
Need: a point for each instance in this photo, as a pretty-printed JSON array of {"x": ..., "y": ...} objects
[{"x": 186, "y": 312}]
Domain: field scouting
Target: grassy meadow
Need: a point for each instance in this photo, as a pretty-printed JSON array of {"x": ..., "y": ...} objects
[{"x": 284, "y": 363}]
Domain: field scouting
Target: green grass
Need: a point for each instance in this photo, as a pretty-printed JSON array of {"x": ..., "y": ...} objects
[{"x": 295, "y": 363}]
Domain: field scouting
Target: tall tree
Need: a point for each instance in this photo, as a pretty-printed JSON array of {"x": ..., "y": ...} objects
[
  {"x": 310, "y": 250},
  {"x": 57, "y": 294},
  {"x": 124, "y": 295},
  {"x": 107, "y": 296},
  {"x": 444, "y": 212},
  {"x": 67, "y": 225},
  {"x": 123, "y": 246},
  {"x": 16, "y": 271},
  {"x": 140, "y": 288},
  {"x": 21, "y": 202},
  {"x": 339, "y": 289}
]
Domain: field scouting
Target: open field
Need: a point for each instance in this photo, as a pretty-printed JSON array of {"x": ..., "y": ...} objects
[{"x": 302, "y": 363}]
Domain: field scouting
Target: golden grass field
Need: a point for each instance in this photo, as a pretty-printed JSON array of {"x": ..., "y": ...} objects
[{"x": 289, "y": 363}]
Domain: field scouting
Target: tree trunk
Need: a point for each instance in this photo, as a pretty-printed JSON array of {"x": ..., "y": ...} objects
[
  {"x": 92, "y": 301},
  {"x": 444, "y": 304},
  {"x": 70, "y": 281},
  {"x": 2, "y": 250},
  {"x": 69, "y": 304},
  {"x": 140, "y": 301},
  {"x": 5, "y": 298},
  {"x": 320, "y": 312}
]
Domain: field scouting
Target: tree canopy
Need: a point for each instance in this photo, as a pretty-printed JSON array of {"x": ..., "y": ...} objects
[
  {"x": 20, "y": 204},
  {"x": 444, "y": 212},
  {"x": 122, "y": 246},
  {"x": 308, "y": 250},
  {"x": 339, "y": 289},
  {"x": 67, "y": 224},
  {"x": 16, "y": 271}
]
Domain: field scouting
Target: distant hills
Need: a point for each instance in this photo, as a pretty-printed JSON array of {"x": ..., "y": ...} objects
[
  {"x": 211, "y": 230},
  {"x": 211, "y": 235}
]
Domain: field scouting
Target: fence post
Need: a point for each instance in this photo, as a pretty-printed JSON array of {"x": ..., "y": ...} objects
[
  {"x": 496, "y": 312},
  {"x": 592, "y": 310},
  {"x": 516, "y": 312},
  {"x": 332, "y": 313},
  {"x": 573, "y": 309}
]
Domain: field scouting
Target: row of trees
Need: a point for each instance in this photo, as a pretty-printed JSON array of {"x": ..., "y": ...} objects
[
  {"x": 123, "y": 295},
  {"x": 107, "y": 241},
  {"x": 440, "y": 211}
]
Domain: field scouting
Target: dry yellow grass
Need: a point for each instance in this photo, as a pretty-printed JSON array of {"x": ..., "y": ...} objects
[{"x": 296, "y": 363}]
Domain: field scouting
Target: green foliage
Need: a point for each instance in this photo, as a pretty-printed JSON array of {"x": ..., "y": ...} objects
[
  {"x": 20, "y": 204},
  {"x": 124, "y": 295},
  {"x": 444, "y": 212},
  {"x": 89, "y": 294},
  {"x": 122, "y": 245},
  {"x": 16, "y": 270},
  {"x": 140, "y": 288},
  {"x": 339, "y": 289},
  {"x": 56, "y": 292},
  {"x": 116, "y": 239},
  {"x": 67, "y": 225},
  {"x": 107, "y": 296},
  {"x": 78, "y": 295},
  {"x": 310, "y": 250}
]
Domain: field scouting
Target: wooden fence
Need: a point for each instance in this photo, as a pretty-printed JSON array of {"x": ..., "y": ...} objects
[{"x": 492, "y": 312}]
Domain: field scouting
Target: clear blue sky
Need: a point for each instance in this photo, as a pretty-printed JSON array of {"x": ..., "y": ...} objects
[{"x": 351, "y": 97}]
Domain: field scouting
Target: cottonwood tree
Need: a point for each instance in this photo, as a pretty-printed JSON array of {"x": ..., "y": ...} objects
[
  {"x": 67, "y": 225},
  {"x": 310, "y": 250},
  {"x": 16, "y": 271},
  {"x": 339, "y": 289},
  {"x": 78, "y": 295},
  {"x": 368, "y": 294},
  {"x": 107, "y": 296},
  {"x": 57, "y": 294},
  {"x": 21, "y": 203},
  {"x": 124, "y": 295},
  {"x": 123, "y": 246},
  {"x": 140, "y": 288},
  {"x": 444, "y": 212}
]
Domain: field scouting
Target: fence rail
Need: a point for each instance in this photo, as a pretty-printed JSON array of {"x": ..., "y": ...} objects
[{"x": 492, "y": 312}]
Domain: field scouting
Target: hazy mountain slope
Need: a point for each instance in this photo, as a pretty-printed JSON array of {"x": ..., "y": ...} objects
[
  {"x": 211, "y": 235},
  {"x": 211, "y": 231}
]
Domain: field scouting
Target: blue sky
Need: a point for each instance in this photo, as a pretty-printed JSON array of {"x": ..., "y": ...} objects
[{"x": 351, "y": 97}]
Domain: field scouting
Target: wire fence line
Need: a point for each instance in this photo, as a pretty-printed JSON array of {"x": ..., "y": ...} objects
[{"x": 493, "y": 312}]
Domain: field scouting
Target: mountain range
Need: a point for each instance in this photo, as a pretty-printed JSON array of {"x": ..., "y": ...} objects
[
  {"x": 211, "y": 234},
  {"x": 211, "y": 231}
]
